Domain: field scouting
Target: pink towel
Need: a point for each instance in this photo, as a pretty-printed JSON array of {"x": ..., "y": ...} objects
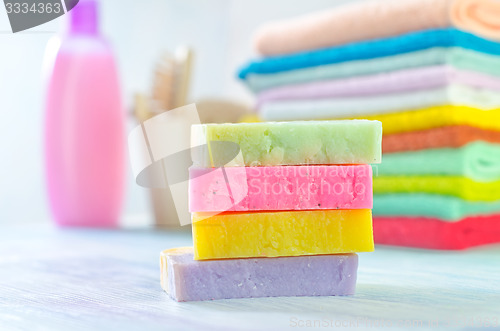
[
  {"x": 377, "y": 19},
  {"x": 392, "y": 82}
]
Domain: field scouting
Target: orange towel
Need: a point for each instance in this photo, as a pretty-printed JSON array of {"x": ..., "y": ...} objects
[
  {"x": 377, "y": 19},
  {"x": 447, "y": 136}
]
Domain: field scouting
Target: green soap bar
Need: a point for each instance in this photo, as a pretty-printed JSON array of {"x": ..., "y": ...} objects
[
  {"x": 444, "y": 207},
  {"x": 479, "y": 161},
  {"x": 461, "y": 187},
  {"x": 290, "y": 143}
]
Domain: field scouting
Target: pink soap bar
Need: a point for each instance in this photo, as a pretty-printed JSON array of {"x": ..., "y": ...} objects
[{"x": 280, "y": 188}]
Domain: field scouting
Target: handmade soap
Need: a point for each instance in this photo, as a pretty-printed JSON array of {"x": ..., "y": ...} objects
[
  {"x": 477, "y": 160},
  {"x": 445, "y": 207},
  {"x": 319, "y": 275},
  {"x": 286, "y": 233},
  {"x": 461, "y": 187},
  {"x": 280, "y": 188},
  {"x": 290, "y": 143},
  {"x": 432, "y": 233},
  {"x": 448, "y": 136},
  {"x": 435, "y": 117}
]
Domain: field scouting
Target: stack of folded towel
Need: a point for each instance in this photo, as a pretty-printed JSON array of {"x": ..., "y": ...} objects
[
  {"x": 429, "y": 70},
  {"x": 284, "y": 216}
]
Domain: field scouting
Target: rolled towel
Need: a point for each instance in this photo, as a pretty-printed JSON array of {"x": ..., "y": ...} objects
[
  {"x": 481, "y": 17},
  {"x": 389, "y": 82},
  {"x": 376, "y": 19}
]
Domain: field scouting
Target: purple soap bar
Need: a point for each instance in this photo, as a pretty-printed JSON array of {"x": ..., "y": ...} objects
[{"x": 185, "y": 279}]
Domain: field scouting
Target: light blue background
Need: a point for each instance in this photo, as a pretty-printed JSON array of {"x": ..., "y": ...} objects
[{"x": 219, "y": 31}]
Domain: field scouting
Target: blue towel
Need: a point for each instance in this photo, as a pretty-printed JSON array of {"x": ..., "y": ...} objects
[{"x": 372, "y": 49}]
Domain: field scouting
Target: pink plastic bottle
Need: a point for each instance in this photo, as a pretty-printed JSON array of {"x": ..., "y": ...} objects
[{"x": 84, "y": 137}]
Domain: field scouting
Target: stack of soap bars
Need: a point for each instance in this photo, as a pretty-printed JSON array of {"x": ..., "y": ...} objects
[
  {"x": 285, "y": 217},
  {"x": 429, "y": 70}
]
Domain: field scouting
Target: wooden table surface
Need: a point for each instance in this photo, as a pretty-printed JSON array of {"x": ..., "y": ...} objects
[{"x": 104, "y": 279}]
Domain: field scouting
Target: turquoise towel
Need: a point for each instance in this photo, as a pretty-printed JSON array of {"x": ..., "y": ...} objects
[
  {"x": 372, "y": 49},
  {"x": 444, "y": 207},
  {"x": 479, "y": 161},
  {"x": 456, "y": 57}
]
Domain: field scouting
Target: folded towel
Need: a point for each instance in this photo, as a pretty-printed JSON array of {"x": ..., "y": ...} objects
[
  {"x": 448, "y": 136},
  {"x": 479, "y": 161},
  {"x": 373, "y": 49},
  {"x": 389, "y": 82},
  {"x": 428, "y": 118},
  {"x": 433, "y": 233},
  {"x": 453, "y": 56},
  {"x": 435, "y": 117},
  {"x": 380, "y": 104},
  {"x": 456, "y": 186},
  {"x": 376, "y": 19},
  {"x": 446, "y": 208}
]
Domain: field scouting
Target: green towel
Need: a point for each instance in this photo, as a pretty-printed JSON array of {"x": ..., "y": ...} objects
[
  {"x": 479, "y": 161},
  {"x": 444, "y": 207}
]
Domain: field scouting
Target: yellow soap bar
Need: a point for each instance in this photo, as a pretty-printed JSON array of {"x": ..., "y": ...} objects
[
  {"x": 286, "y": 233},
  {"x": 435, "y": 117}
]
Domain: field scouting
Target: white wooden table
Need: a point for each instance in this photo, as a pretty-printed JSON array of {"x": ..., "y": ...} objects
[{"x": 81, "y": 279}]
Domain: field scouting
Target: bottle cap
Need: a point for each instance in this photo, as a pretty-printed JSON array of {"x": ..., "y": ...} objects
[{"x": 84, "y": 17}]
